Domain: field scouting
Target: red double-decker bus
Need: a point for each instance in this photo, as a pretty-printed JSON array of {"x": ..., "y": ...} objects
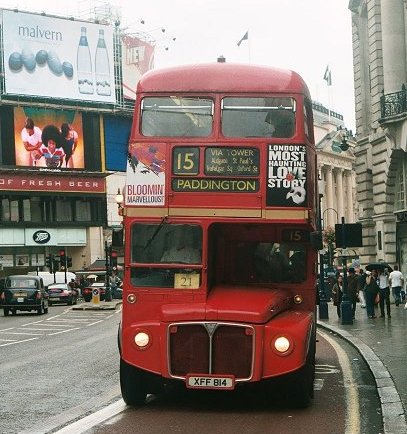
[{"x": 220, "y": 208}]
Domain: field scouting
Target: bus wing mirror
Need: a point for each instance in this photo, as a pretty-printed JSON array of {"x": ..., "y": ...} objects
[{"x": 316, "y": 240}]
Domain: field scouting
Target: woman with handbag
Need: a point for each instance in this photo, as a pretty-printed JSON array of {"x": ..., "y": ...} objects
[{"x": 371, "y": 291}]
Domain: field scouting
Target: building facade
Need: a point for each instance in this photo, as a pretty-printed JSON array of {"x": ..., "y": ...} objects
[
  {"x": 380, "y": 76},
  {"x": 337, "y": 185},
  {"x": 58, "y": 192}
]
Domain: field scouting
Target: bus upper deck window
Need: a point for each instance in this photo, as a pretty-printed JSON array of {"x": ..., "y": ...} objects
[
  {"x": 176, "y": 116},
  {"x": 258, "y": 117}
]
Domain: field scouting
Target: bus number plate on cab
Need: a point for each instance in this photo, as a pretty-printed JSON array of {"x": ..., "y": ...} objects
[{"x": 226, "y": 382}]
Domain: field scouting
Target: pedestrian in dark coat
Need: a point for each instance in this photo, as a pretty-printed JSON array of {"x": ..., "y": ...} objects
[
  {"x": 337, "y": 293},
  {"x": 371, "y": 290},
  {"x": 353, "y": 289}
]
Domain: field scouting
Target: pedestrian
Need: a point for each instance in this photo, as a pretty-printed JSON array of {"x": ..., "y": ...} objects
[
  {"x": 361, "y": 287},
  {"x": 384, "y": 292},
  {"x": 353, "y": 289},
  {"x": 396, "y": 280},
  {"x": 371, "y": 291},
  {"x": 337, "y": 292}
]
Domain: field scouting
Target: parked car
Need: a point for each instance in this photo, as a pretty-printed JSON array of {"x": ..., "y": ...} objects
[
  {"x": 25, "y": 293},
  {"x": 88, "y": 291},
  {"x": 62, "y": 293}
]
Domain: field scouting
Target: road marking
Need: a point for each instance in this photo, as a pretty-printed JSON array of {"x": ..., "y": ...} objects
[
  {"x": 18, "y": 342},
  {"x": 63, "y": 331},
  {"x": 352, "y": 420},
  {"x": 24, "y": 333},
  {"x": 326, "y": 369},
  {"x": 318, "y": 383},
  {"x": 94, "y": 419}
]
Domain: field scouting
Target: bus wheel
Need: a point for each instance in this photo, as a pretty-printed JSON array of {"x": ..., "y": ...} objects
[
  {"x": 303, "y": 387},
  {"x": 132, "y": 384},
  {"x": 6, "y": 311}
]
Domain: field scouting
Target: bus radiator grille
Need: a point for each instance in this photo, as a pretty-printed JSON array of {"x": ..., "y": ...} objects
[{"x": 211, "y": 348}]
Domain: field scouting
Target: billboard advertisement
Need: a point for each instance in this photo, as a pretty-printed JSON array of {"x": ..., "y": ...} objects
[
  {"x": 48, "y": 138},
  {"x": 137, "y": 58},
  {"x": 55, "y": 57}
]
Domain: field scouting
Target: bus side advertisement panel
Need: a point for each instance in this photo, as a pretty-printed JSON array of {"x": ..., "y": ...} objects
[{"x": 286, "y": 175}]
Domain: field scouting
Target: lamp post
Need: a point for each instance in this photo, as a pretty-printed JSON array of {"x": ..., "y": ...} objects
[
  {"x": 346, "y": 305},
  {"x": 108, "y": 295},
  {"x": 323, "y": 302}
]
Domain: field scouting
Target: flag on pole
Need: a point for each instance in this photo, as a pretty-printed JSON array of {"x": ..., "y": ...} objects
[
  {"x": 245, "y": 38},
  {"x": 327, "y": 76}
]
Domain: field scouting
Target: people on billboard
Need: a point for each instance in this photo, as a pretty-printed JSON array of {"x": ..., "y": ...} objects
[
  {"x": 69, "y": 143},
  {"x": 31, "y": 138},
  {"x": 51, "y": 149}
]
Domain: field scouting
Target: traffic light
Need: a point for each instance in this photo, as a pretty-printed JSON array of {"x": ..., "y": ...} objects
[
  {"x": 49, "y": 262},
  {"x": 62, "y": 259},
  {"x": 55, "y": 265},
  {"x": 113, "y": 260},
  {"x": 69, "y": 262}
]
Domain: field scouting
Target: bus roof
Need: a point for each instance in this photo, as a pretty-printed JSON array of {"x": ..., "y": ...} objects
[{"x": 222, "y": 77}]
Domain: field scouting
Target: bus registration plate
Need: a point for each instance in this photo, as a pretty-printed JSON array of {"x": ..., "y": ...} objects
[{"x": 225, "y": 382}]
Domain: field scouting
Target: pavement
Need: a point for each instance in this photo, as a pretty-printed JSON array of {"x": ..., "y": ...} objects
[{"x": 382, "y": 342}]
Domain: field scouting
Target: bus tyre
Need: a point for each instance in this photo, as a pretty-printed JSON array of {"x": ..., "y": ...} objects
[
  {"x": 6, "y": 311},
  {"x": 302, "y": 385},
  {"x": 132, "y": 384}
]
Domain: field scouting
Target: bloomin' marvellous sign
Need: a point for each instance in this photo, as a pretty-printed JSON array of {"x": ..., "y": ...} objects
[
  {"x": 286, "y": 175},
  {"x": 55, "y": 57},
  {"x": 145, "y": 177}
]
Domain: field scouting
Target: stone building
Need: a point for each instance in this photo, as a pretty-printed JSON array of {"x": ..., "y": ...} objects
[
  {"x": 335, "y": 167},
  {"x": 380, "y": 74}
]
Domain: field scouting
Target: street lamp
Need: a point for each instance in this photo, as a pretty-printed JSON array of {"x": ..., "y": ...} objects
[
  {"x": 119, "y": 198},
  {"x": 346, "y": 305},
  {"x": 323, "y": 302}
]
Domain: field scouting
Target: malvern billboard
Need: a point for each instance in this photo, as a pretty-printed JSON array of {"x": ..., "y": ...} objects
[{"x": 55, "y": 57}]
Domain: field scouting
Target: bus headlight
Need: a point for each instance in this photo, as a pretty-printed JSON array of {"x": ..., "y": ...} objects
[
  {"x": 131, "y": 298},
  {"x": 297, "y": 299},
  {"x": 282, "y": 345},
  {"x": 142, "y": 340}
]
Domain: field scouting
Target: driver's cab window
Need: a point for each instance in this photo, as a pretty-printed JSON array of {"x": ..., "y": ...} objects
[{"x": 166, "y": 255}]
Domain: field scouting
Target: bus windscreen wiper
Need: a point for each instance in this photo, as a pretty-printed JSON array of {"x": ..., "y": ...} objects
[{"x": 163, "y": 220}]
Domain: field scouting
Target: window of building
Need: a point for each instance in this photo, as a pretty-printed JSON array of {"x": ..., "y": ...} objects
[
  {"x": 400, "y": 198},
  {"x": 83, "y": 211},
  {"x": 63, "y": 210}
]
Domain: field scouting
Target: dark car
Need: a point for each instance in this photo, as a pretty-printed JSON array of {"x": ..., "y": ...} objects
[
  {"x": 25, "y": 293},
  {"x": 62, "y": 293},
  {"x": 88, "y": 291}
]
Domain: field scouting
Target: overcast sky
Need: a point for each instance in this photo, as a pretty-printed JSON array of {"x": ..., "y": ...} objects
[{"x": 303, "y": 35}]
